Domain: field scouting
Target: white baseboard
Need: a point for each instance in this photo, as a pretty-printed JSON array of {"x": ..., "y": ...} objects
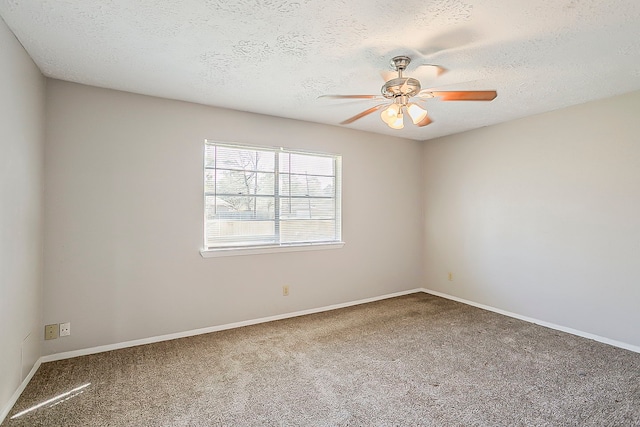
[
  {"x": 18, "y": 392},
  {"x": 550, "y": 325},
  {"x": 150, "y": 340}
]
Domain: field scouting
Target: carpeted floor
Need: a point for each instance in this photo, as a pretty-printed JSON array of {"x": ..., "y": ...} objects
[{"x": 416, "y": 360}]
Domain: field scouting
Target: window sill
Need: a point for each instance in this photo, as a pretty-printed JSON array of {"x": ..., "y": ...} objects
[{"x": 214, "y": 253}]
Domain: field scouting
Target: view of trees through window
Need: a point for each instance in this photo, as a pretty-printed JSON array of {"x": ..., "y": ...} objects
[{"x": 256, "y": 196}]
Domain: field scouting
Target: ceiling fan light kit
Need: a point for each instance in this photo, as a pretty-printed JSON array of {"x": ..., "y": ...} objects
[
  {"x": 401, "y": 89},
  {"x": 416, "y": 112},
  {"x": 397, "y": 122},
  {"x": 390, "y": 113},
  {"x": 393, "y": 115}
]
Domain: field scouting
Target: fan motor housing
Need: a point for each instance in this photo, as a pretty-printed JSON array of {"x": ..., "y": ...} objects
[{"x": 401, "y": 86}]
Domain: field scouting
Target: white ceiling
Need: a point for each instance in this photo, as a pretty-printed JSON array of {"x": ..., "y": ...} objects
[{"x": 276, "y": 57}]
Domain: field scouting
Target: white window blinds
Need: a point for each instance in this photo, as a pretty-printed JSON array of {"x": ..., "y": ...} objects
[{"x": 256, "y": 196}]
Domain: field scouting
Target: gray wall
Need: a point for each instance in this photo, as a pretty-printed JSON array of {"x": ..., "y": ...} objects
[
  {"x": 124, "y": 219},
  {"x": 541, "y": 217},
  {"x": 21, "y": 162}
]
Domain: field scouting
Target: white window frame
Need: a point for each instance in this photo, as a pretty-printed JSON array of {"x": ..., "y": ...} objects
[{"x": 208, "y": 252}]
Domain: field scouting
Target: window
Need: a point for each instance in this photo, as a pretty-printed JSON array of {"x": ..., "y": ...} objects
[{"x": 269, "y": 197}]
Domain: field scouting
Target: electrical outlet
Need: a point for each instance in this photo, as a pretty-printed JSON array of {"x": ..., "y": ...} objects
[
  {"x": 51, "y": 332},
  {"x": 65, "y": 329},
  {"x": 285, "y": 290},
  {"x": 450, "y": 276}
]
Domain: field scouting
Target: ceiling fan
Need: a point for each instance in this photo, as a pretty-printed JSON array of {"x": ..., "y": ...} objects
[{"x": 400, "y": 91}]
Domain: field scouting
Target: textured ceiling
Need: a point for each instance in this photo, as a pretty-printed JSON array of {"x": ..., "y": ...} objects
[{"x": 276, "y": 56}]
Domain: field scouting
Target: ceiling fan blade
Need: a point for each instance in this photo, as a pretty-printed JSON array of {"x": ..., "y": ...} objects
[
  {"x": 362, "y": 114},
  {"x": 465, "y": 95},
  {"x": 437, "y": 68},
  {"x": 429, "y": 90},
  {"x": 427, "y": 120},
  {"x": 388, "y": 75},
  {"x": 350, "y": 96}
]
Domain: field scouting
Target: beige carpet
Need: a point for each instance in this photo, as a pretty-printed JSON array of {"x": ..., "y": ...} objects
[{"x": 416, "y": 360}]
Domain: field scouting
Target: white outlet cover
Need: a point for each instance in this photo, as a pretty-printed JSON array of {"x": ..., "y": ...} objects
[{"x": 65, "y": 329}]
